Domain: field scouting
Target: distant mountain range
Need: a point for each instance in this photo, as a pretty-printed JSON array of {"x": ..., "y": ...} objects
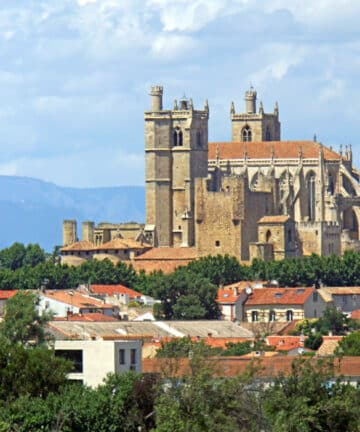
[{"x": 32, "y": 211}]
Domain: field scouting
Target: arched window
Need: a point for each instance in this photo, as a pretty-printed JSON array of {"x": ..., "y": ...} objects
[
  {"x": 268, "y": 236},
  {"x": 272, "y": 316},
  {"x": 267, "y": 134},
  {"x": 246, "y": 134},
  {"x": 289, "y": 315},
  {"x": 254, "y": 316},
  {"x": 177, "y": 137},
  {"x": 310, "y": 186}
]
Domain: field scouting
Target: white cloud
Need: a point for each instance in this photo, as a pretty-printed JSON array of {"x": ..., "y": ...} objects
[{"x": 173, "y": 46}]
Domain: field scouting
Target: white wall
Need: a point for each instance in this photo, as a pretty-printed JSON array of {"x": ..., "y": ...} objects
[{"x": 101, "y": 357}]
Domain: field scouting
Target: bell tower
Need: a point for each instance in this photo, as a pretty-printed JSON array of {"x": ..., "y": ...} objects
[
  {"x": 176, "y": 152},
  {"x": 253, "y": 126}
]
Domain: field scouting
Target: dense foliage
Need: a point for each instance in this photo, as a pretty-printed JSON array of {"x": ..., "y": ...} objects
[
  {"x": 190, "y": 291},
  {"x": 349, "y": 345}
]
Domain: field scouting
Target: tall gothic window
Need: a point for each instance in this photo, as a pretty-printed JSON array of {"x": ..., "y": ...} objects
[
  {"x": 267, "y": 134},
  {"x": 177, "y": 137},
  {"x": 246, "y": 134},
  {"x": 310, "y": 186}
]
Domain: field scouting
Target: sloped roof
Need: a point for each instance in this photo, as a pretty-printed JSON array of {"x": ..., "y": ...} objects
[
  {"x": 274, "y": 219},
  {"x": 355, "y": 314},
  {"x": 121, "y": 244},
  {"x": 265, "y": 150},
  {"x": 82, "y": 245},
  {"x": 6, "y": 294},
  {"x": 88, "y": 317},
  {"x": 279, "y": 296},
  {"x": 110, "y": 290},
  {"x": 76, "y": 299},
  {"x": 348, "y": 290},
  {"x": 226, "y": 296}
]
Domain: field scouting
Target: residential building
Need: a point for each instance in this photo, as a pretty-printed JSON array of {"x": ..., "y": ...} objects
[
  {"x": 64, "y": 302},
  {"x": 284, "y": 304},
  {"x": 346, "y": 299},
  {"x": 94, "y": 359}
]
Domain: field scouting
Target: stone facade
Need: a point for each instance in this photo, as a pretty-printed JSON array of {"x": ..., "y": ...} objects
[{"x": 214, "y": 195}]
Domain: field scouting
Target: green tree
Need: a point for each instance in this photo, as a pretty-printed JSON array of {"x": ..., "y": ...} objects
[
  {"x": 185, "y": 347},
  {"x": 309, "y": 399},
  {"x": 313, "y": 341},
  {"x": 349, "y": 345},
  {"x": 199, "y": 402},
  {"x": 219, "y": 269},
  {"x": 22, "y": 323},
  {"x": 333, "y": 321}
]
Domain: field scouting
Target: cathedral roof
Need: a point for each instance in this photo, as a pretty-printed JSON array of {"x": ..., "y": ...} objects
[{"x": 269, "y": 149}]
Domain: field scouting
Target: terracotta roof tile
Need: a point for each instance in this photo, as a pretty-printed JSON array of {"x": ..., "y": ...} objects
[
  {"x": 265, "y": 149},
  {"x": 111, "y": 290},
  {"x": 226, "y": 296},
  {"x": 119, "y": 243},
  {"x": 268, "y": 366},
  {"x": 279, "y": 296},
  {"x": 355, "y": 314},
  {"x": 274, "y": 219},
  {"x": 82, "y": 245},
  {"x": 6, "y": 294},
  {"x": 76, "y": 299}
]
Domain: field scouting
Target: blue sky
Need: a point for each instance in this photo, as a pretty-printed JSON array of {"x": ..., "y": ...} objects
[{"x": 75, "y": 76}]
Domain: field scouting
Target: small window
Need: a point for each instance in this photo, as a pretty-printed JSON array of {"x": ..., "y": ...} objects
[
  {"x": 315, "y": 296},
  {"x": 179, "y": 227},
  {"x": 289, "y": 315},
  {"x": 217, "y": 243},
  {"x": 122, "y": 356},
  {"x": 272, "y": 316},
  {"x": 278, "y": 295},
  {"x": 133, "y": 356},
  {"x": 254, "y": 316}
]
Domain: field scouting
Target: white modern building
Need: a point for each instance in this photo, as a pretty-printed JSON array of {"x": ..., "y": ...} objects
[{"x": 94, "y": 359}]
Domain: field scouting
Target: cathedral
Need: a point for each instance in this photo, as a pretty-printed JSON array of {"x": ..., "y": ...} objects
[{"x": 253, "y": 197}]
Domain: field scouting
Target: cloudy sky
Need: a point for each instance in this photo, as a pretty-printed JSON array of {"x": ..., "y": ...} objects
[{"x": 75, "y": 76}]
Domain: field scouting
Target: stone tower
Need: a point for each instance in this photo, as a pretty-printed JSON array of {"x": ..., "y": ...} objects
[
  {"x": 88, "y": 231},
  {"x": 176, "y": 152},
  {"x": 254, "y": 126},
  {"x": 69, "y": 232}
]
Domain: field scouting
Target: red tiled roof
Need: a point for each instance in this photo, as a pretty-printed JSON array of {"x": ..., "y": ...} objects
[
  {"x": 268, "y": 366},
  {"x": 285, "y": 343},
  {"x": 82, "y": 245},
  {"x": 119, "y": 243},
  {"x": 279, "y": 296},
  {"x": 6, "y": 294},
  {"x": 168, "y": 253},
  {"x": 265, "y": 150},
  {"x": 76, "y": 299},
  {"x": 355, "y": 314},
  {"x": 226, "y": 296},
  {"x": 110, "y": 290},
  {"x": 274, "y": 219}
]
